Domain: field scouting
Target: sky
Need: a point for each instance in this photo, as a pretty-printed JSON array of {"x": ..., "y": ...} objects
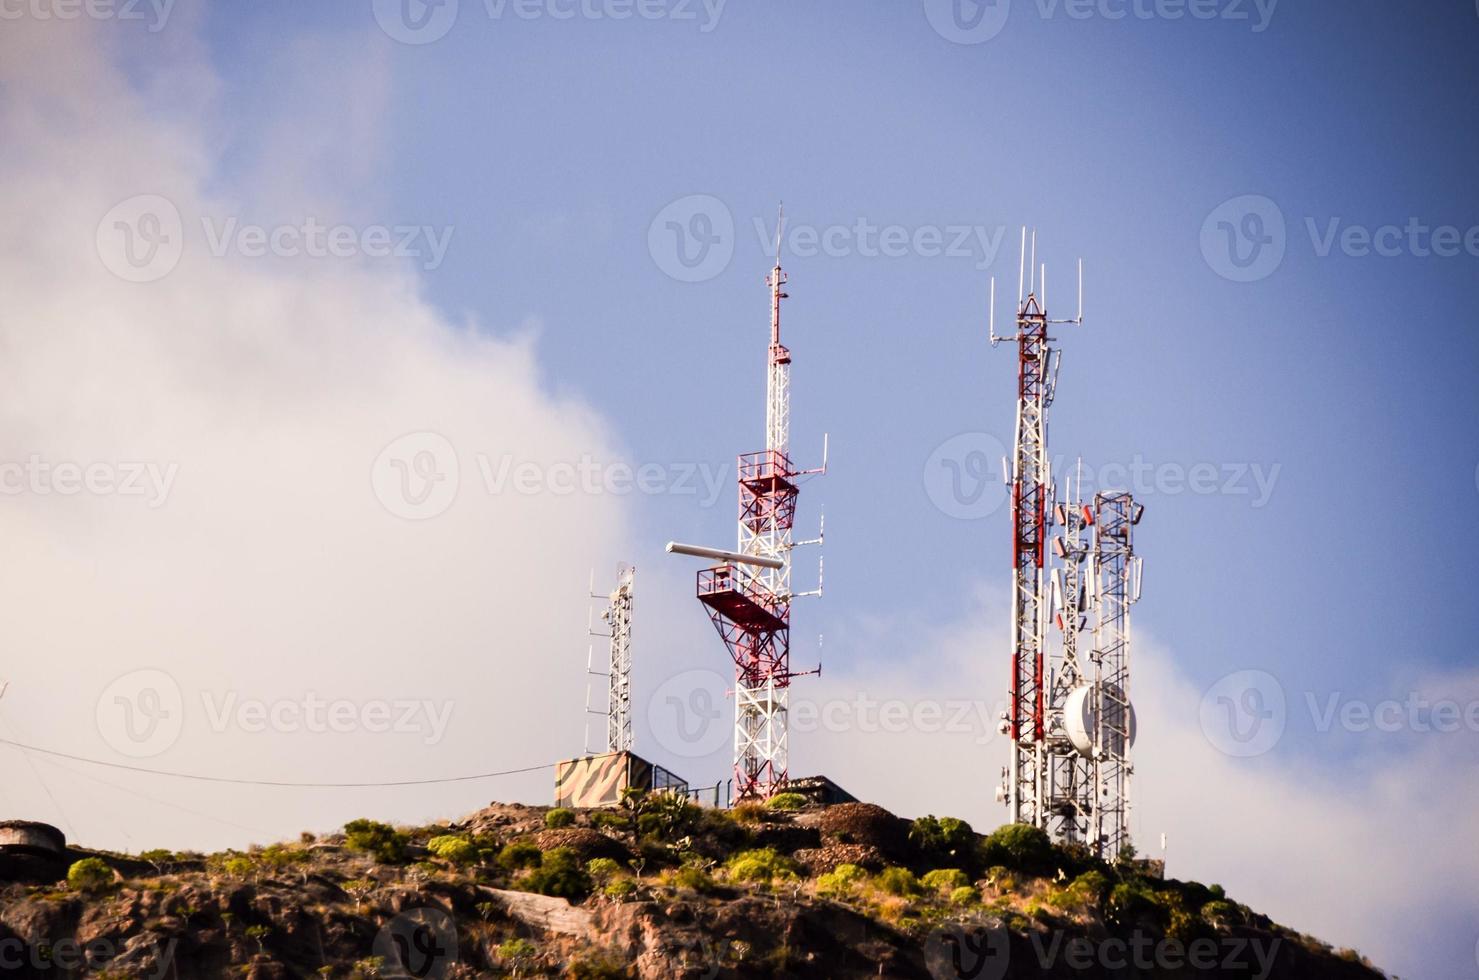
[{"x": 343, "y": 345}]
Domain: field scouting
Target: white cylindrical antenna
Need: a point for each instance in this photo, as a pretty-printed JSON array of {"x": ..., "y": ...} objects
[
  {"x": 1021, "y": 266},
  {"x": 780, "y": 225},
  {"x": 826, "y": 437},
  {"x": 719, "y": 554},
  {"x": 992, "y": 317},
  {"x": 1044, "y": 278},
  {"x": 1006, "y": 476},
  {"x": 1032, "y": 267},
  {"x": 1080, "y": 290}
]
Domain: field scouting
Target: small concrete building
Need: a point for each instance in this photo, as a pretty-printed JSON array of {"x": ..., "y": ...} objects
[{"x": 31, "y": 851}]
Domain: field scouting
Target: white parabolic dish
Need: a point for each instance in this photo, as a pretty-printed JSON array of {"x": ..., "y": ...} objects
[{"x": 1079, "y": 719}]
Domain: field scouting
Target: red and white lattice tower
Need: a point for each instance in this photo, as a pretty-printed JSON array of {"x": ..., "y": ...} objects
[
  {"x": 748, "y": 594},
  {"x": 1069, "y": 716},
  {"x": 1025, "y": 785}
]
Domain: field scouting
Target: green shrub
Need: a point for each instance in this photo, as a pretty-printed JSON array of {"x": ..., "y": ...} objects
[
  {"x": 558, "y": 817},
  {"x": 841, "y": 880},
  {"x": 744, "y": 813},
  {"x": 898, "y": 881},
  {"x": 519, "y": 854},
  {"x": 965, "y": 895},
  {"x": 606, "y": 820},
  {"x": 89, "y": 875},
  {"x": 1128, "y": 901},
  {"x": 945, "y": 880},
  {"x": 786, "y": 802},
  {"x": 762, "y": 865},
  {"x": 620, "y": 888},
  {"x": 1019, "y": 847},
  {"x": 943, "y": 838},
  {"x": 1086, "y": 891},
  {"x": 517, "y": 952},
  {"x": 381, "y": 841},
  {"x": 602, "y": 869},
  {"x": 597, "y": 967},
  {"x": 693, "y": 878},
  {"x": 280, "y": 857},
  {"x": 561, "y": 875},
  {"x": 666, "y": 816},
  {"x": 1221, "y": 913},
  {"x": 450, "y": 847}
]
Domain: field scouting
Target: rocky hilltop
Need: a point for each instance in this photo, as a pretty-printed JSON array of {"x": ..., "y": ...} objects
[{"x": 654, "y": 889}]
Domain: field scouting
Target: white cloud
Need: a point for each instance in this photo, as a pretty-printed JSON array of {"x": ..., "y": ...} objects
[{"x": 270, "y": 569}]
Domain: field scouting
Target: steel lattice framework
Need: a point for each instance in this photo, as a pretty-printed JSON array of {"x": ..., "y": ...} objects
[
  {"x": 1070, "y": 722},
  {"x": 1116, "y": 581},
  {"x": 618, "y": 619},
  {"x": 1031, "y": 488},
  {"x": 750, "y": 604}
]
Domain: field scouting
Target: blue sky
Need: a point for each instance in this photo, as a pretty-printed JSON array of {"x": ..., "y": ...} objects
[
  {"x": 550, "y": 145},
  {"x": 1220, "y": 179}
]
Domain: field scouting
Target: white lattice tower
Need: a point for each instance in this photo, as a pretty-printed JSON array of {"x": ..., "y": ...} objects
[
  {"x": 762, "y": 688},
  {"x": 1116, "y": 580},
  {"x": 618, "y": 617}
]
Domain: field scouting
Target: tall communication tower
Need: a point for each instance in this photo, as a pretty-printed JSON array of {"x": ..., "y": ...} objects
[
  {"x": 748, "y": 594},
  {"x": 618, "y": 619},
  {"x": 1069, "y": 718},
  {"x": 1097, "y": 714}
]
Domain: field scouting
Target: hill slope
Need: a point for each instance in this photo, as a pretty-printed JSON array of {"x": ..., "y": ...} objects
[{"x": 654, "y": 889}]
